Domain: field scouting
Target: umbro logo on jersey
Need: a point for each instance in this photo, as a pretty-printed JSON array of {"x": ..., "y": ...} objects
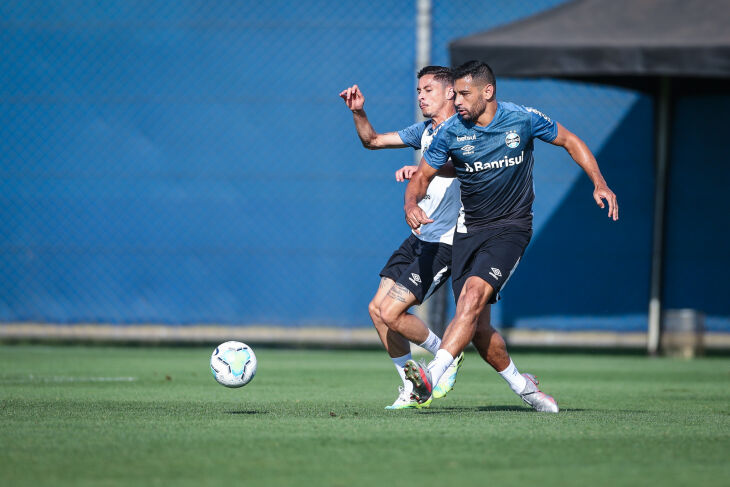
[
  {"x": 496, "y": 273},
  {"x": 464, "y": 138},
  {"x": 468, "y": 149},
  {"x": 512, "y": 139},
  {"x": 415, "y": 279}
]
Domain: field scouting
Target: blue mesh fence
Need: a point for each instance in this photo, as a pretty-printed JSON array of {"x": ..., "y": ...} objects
[{"x": 191, "y": 162}]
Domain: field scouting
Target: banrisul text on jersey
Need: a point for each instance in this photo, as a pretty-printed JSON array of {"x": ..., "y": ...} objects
[{"x": 494, "y": 164}]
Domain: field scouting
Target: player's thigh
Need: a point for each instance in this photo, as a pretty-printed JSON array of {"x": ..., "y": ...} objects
[
  {"x": 385, "y": 284},
  {"x": 474, "y": 297},
  {"x": 396, "y": 302}
]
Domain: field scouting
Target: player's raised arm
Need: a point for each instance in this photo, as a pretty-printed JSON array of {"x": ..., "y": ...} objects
[
  {"x": 582, "y": 155},
  {"x": 415, "y": 191},
  {"x": 355, "y": 101}
]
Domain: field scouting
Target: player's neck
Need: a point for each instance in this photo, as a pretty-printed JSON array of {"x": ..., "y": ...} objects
[
  {"x": 488, "y": 115},
  {"x": 439, "y": 118}
]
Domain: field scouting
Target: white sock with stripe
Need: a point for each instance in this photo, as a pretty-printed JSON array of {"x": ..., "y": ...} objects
[
  {"x": 439, "y": 364},
  {"x": 432, "y": 343},
  {"x": 513, "y": 377},
  {"x": 400, "y": 363}
]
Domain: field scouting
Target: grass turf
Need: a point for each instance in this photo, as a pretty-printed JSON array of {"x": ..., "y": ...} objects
[{"x": 147, "y": 416}]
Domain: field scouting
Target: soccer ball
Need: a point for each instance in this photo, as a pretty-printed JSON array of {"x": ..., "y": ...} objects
[{"x": 233, "y": 364}]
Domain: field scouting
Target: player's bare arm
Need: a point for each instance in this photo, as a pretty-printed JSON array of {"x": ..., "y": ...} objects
[
  {"x": 583, "y": 156},
  {"x": 415, "y": 191},
  {"x": 355, "y": 101}
]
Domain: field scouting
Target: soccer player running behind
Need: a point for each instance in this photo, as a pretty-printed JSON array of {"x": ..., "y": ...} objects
[
  {"x": 490, "y": 145},
  {"x": 423, "y": 262}
]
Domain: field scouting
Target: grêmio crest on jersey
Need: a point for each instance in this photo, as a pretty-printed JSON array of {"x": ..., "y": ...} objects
[{"x": 493, "y": 163}]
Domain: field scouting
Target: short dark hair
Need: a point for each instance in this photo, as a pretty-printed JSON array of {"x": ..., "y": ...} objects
[
  {"x": 440, "y": 73},
  {"x": 478, "y": 70}
]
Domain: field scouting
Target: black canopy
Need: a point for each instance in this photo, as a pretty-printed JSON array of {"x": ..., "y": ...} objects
[
  {"x": 653, "y": 45},
  {"x": 609, "y": 38}
]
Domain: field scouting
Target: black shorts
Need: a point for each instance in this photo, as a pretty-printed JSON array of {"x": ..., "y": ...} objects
[
  {"x": 422, "y": 267},
  {"x": 490, "y": 254}
]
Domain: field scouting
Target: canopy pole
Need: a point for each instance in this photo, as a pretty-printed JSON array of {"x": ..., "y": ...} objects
[{"x": 660, "y": 201}]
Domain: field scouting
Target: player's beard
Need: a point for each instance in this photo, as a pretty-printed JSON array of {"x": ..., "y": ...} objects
[{"x": 476, "y": 110}]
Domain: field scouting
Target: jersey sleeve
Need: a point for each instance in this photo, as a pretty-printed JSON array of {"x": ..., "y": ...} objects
[
  {"x": 438, "y": 152},
  {"x": 542, "y": 127},
  {"x": 412, "y": 135}
]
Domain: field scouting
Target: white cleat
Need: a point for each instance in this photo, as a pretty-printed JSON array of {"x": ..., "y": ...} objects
[
  {"x": 403, "y": 401},
  {"x": 535, "y": 398},
  {"x": 406, "y": 401}
]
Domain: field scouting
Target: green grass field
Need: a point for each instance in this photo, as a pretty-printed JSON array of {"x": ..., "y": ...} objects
[{"x": 147, "y": 416}]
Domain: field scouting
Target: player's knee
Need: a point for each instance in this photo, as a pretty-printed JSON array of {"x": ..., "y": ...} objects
[
  {"x": 374, "y": 310},
  {"x": 471, "y": 302},
  {"x": 390, "y": 316}
]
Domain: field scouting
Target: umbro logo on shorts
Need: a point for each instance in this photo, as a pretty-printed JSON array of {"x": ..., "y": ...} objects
[
  {"x": 496, "y": 273},
  {"x": 415, "y": 279}
]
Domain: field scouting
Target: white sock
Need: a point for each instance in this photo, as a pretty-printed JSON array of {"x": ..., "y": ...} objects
[
  {"x": 432, "y": 343},
  {"x": 439, "y": 364},
  {"x": 513, "y": 377},
  {"x": 400, "y": 363}
]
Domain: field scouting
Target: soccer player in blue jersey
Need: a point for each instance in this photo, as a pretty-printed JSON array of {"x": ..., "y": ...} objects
[
  {"x": 423, "y": 262},
  {"x": 490, "y": 144}
]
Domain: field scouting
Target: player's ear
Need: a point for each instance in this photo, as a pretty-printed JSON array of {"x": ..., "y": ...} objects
[
  {"x": 489, "y": 91},
  {"x": 450, "y": 93}
]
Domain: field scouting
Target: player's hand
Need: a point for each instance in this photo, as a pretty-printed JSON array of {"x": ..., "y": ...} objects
[
  {"x": 353, "y": 97},
  {"x": 415, "y": 217},
  {"x": 604, "y": 193},
  {"x": 405, "y": 173}
]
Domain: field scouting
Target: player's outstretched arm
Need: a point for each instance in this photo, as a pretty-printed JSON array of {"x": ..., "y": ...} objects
[
  {"x": 582, "y": 155},
  {"x": 355, "y": 101},
  {"x": 416, "y": 190}
]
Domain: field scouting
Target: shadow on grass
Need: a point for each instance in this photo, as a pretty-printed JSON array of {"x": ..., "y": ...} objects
[
  {"x": 248, "y": 411},
  {"x": 490, "y": 409},
  {"x": 460, "y": 409}
]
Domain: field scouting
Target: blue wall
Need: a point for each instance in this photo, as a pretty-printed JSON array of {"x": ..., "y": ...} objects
[
  {"x": 698, "y": 225},
  {"x": 190, "y": 162}
]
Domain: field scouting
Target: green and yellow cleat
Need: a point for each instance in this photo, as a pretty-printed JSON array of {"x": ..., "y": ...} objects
[{"x": 447, "y": 381}]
